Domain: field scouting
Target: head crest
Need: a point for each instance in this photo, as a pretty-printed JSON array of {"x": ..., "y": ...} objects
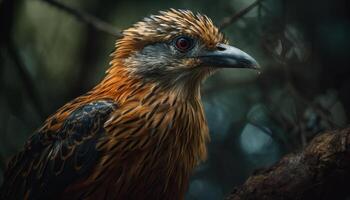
[{"x": 165, "y": 26}]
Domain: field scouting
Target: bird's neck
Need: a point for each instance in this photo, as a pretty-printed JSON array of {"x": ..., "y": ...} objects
[{"x": 122, "y": 86}]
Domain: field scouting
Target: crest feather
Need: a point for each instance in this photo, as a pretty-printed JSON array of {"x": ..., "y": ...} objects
[{"x": 165, "y": 26}]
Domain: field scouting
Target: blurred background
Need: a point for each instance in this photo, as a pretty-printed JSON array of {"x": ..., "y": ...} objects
[{"x": 48, "y": 57}]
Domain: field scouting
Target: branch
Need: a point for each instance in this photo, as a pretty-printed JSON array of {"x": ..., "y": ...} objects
[
  {"x": 233, "y": 18},
  {"x": 109, "y": 29},
  {"x": 25, "y": 77},
  {"x": 321, "y": 171},
  {"x": 86, "y": 18}
]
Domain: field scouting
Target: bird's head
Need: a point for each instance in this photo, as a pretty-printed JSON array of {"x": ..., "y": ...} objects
[{"x": 176, "y": 48}]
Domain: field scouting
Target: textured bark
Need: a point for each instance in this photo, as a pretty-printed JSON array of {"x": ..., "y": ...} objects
[{"x": 320, "y": 171}]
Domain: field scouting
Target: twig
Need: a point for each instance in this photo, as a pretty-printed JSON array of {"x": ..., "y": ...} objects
[
  {"x": 25, "y": 77},
  {"x": 109, "y": 29},
  {"x": 231, "y": 19},
  {"x": 267, "y": 131},
  {"x": 86, "y": 18}
]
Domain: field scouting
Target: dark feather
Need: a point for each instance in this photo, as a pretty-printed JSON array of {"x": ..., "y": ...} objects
[{"x": 51, "y": 161}]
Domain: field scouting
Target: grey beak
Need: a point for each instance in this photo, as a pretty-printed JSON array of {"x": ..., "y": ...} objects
[{"x": 226, "y": 56}]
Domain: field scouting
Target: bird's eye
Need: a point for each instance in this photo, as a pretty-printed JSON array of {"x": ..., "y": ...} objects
[{"x": 183, "y": 43}]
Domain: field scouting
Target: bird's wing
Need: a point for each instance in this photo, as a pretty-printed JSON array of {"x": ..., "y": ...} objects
[{"x": 51, "y": 161}]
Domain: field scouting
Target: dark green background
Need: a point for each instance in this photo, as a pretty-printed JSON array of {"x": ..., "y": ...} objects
[{"x": 47, "y": 58}]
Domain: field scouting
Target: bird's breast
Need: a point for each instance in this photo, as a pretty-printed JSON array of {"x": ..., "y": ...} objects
[{"x": 151, "y": 147}]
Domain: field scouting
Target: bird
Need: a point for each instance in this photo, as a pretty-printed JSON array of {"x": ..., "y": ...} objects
[{"x": 141, "y": 131}]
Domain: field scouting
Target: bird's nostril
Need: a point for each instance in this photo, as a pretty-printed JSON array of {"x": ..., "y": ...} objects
[{"x": 220, "y": 48}]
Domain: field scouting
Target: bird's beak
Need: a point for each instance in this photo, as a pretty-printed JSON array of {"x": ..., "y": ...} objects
[{"x": 226, "y": 56}]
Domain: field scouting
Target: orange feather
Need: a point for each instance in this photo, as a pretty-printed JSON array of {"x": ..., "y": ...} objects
[{"x": 157, "y": 135}]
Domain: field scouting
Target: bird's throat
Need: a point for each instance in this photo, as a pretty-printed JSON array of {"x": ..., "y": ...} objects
[{"x": 123, "y": 85}]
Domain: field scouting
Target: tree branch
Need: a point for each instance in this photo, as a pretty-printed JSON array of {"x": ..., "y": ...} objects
[
  {"x": 233, "y": 18},
  {"x": 28, "y": 82},
  {"x": 86, "y": 18},
  {"x": 109, "y": 29},
  {"x": 320, "y": 171}
]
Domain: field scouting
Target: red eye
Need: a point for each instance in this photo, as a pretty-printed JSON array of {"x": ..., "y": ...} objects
[{"x": 183, "y": 43}]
